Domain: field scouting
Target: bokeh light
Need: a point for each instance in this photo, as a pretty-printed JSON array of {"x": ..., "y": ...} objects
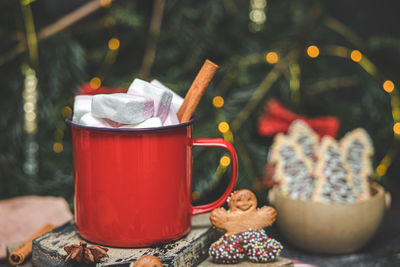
[
  {"x": 66, "y": 112},
  {"x": 58, "y": 147},
  {"x": 225, "y": 161},
  {"x": 272, "y": 57},
  {"x": 218, "y": 101},
  {"x": 195, "y": 195},
  {"x": 105, "y": 3},
  {"x": 113, "y": 44},
  {"x": 381, "y": 170},
  {"x": 313, "y": 51},
  {"x": 223, "y": 127},
  {"x": 95, "y": 83},
  {"x": 356, "y": 56},
  {"x": 396, "y": 128},
  {"x": 388, "y": 86}
]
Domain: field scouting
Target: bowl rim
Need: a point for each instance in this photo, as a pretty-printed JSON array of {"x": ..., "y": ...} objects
[{"x": 379, "y": 193}]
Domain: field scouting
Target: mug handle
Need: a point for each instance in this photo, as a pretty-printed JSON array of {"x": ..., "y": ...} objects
[{"x": 218, "y": 142}]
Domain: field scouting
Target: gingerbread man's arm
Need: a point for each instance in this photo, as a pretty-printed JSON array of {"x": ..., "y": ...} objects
[
  {"x": 268, "y": 215},
  {"x": 219, "y": 218}
]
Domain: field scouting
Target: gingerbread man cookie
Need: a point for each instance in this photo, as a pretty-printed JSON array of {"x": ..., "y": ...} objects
[
  {"x": 244, "y": 237},
  {"x": 243, "y": 214}
]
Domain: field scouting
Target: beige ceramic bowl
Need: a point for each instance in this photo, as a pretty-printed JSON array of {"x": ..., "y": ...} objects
[{"x": 329, "y": 228}]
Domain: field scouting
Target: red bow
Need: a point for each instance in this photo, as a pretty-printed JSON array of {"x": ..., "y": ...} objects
[
  {"x": 86, "y": 89},
  {"x": 278, "y": 119}
]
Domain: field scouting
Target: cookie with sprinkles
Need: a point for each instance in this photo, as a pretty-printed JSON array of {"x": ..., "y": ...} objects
[
  {"x": 333, "y": 177},
  {"x": 305, "y": 136},
  {"x": 260, "y": 247},
  {"x": 292, "y": 170},
  {"x": 357, "y": 150},
  {"x": 253, "y": 245},
  {"x": 228, "y": 249},
  {"x": 244, "y": 237}
]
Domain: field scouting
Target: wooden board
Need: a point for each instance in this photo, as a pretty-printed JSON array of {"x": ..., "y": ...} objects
[{"x": 48, "y": 250}]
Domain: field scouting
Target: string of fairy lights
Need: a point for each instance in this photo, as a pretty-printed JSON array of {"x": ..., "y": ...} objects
[
  {"x": 313, "y": 51},
  {"x": 388, "y": 86},
  {"x": 224, "y": 128},
  {"x": 94, "y": 83},
  {"x": 30, "y": 93},
  {"x": 257, "y": 15},
  {"x": 30, "y": 99},
  {"x": 113, "y": 46}
]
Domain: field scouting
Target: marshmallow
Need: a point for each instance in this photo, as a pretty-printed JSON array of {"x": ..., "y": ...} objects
[
  {"x": 122, "y": 108},
  {"x": 162, "y": 98},
  {"x": 82, "y": 105},
  {"x": 177, "y": 100},
  {"x": 149, "y": 123},
  {"x": 172, "y": 119},
  {"x": 89, "y": 120},
  {"x": 163, "y": 106}
]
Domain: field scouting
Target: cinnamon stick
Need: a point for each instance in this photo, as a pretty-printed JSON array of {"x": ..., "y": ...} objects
[
  {"x": 196, "y": 91},
  {"x": 20, "y": 254}
]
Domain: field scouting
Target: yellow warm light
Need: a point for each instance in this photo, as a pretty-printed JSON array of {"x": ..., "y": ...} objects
[
  {"x": 66, "y": 112},
  {"x": 225, "y": 161},
  {"x": 95, "y": 83},
  {"x": 387, "y": 160},
  {"x": 218, "y": 102},
  {"x": 58, "y": 147},
  {"x": 30, "y": 127},
  {"x": 388, "y": 86},
  {"x": 113, "y": 44},
  {"x": 381, "y": 170},
  {"x": 356, "y": 55},
  {"x": 195, "y": 195},
  {"x": 30, "y": 116},
  {"x": 313, "y": 51},
  {"x": 272, "y": 57},
  {"x": 396, "y": 128},
  {"x": 29, "y": 106},
  {"x": 105, "y": 3},
  {"x": 223, "y": 127}
]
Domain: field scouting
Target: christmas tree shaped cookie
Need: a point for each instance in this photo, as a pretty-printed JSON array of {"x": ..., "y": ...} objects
[
  {"x": 357, "y": 150},
  {"x": 292, "y": 170},
  {"x": 305, "y": 137},
  {"x": 333, "y": 178}
]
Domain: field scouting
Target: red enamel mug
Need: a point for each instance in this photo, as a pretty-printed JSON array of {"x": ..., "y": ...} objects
[{"x": 133, "y": 187}]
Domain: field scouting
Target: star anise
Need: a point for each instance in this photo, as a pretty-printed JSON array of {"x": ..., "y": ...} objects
[{"x": 83, "y": 253}]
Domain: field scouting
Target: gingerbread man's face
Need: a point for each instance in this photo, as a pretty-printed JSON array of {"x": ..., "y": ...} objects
[{"x": 243, "y": 200}]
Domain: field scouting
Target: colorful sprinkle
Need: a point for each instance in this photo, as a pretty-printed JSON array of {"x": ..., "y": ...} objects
[{"x": 253, "y": 245}]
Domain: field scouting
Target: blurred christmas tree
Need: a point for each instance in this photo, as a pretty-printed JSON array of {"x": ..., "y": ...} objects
[{"x": 295, "y": 51}]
